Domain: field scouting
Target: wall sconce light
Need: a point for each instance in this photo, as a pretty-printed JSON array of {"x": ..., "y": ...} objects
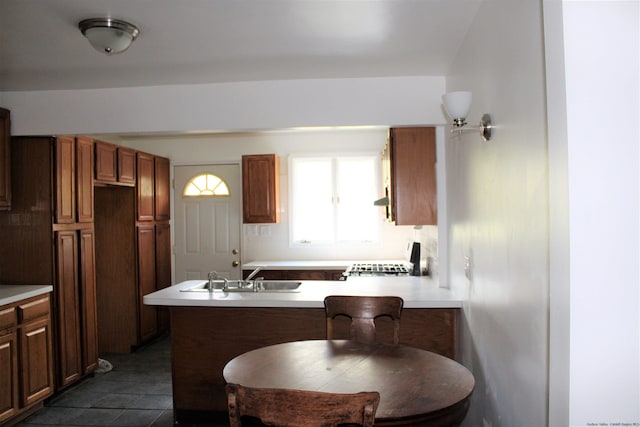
[
  {"x": 109, "y": 36},
  {"x": 457, "y": 105}
]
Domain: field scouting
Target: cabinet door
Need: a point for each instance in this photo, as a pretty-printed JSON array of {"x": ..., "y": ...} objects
[
  {"x": 106, "y": 162},
  {"x": 88, "y": 309},
  {"x": 146, "y": 281},
  {"x": 163, "y": 256},
  {"x": 9, "y": 375},
  {"x": 161, "y": 191},
  {"x": 306, "y": 275},
  {"x": 413, "y": 175},
  {"x": 84, "y": 178},
  {"x": 65, "y": 180},
  {"x": 69, "y": 353},
  {"x": 35, "y": 361},
  {"x": 126, "y": 166},
  {"x": 268, "y": 274},
  {"x": 145, "y": 175},
  {"x": 386, "y": 181},
  {"x": 163, "y": 269},
  {"x": 260, "y": 188},
  {"x": 5, "y": 161}
]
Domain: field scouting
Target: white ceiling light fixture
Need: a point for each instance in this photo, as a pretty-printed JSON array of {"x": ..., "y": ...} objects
[
  {"x": 109, "y": 36},
  {"x": 457, "y": 105}
]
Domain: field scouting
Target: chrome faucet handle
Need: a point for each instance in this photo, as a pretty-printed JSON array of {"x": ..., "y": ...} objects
[
  {"x": 257, "y": 283},
  {"x": 210, "y": 277}
]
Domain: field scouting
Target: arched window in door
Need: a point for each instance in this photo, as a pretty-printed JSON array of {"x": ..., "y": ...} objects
[{"x": 206, "y": 185}]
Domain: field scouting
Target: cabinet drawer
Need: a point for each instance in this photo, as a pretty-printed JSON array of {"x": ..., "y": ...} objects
[
  {"x": 8, "y": 318},
  {"x": 33, "y": 310}
]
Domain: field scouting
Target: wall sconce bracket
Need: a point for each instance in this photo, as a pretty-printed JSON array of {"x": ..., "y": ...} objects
[{"x": 485, "y": 128}]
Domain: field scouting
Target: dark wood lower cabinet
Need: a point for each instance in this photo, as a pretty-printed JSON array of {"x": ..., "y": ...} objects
[
  {"x": 26, "y": 356},
  {"x": 297, "y": 274},
  {"x": 147, "y": 281},
  {"x": 66, "y": 294},
  {"x": 35, "y": 347},
  {"x": 204, "y": 339},
  {"x": 163, "y": 269},
  {"x": 9, "y": 374},
  {"x": 88, "y": 310}
]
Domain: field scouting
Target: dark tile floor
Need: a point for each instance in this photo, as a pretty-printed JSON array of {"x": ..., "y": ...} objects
[{"x": 136, "y": 392}]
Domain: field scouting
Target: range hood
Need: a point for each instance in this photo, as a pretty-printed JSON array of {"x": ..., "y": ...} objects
[{"x": 382, "y": 202}]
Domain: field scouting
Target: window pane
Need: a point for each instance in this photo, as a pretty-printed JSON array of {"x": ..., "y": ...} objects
[
  {"x": 356, "y": 187},
  {"x": 206, "y": 185},
  {"x": 312, "y": 210}
]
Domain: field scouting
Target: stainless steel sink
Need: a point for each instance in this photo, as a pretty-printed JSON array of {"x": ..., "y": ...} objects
[
  {"x": 260, "y": 286},
  {"x": 277, "y": 285}
]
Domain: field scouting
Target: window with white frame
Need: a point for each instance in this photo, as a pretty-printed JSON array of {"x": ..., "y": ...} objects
[{"x": 331, "y": 198}]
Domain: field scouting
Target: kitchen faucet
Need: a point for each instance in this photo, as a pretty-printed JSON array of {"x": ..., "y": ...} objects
[
  {"x": 253, "y": 273},
  {"x": 256, "y": 282}
]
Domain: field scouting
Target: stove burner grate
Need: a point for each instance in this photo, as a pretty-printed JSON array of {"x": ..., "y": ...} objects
[{"x": 378, "y": 269}]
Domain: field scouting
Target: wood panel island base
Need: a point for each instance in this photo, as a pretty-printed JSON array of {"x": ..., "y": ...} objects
[{"x": 205, "y": 338}]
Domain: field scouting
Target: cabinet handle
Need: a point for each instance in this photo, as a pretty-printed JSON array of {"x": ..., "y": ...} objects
[
  {"x": 234, "y": 251},
  {"x": 235, "y": 263}
]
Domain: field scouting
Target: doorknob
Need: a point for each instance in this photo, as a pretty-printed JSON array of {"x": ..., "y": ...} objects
[
  {"x": 235, "y": 263},
  {"x": 234, "y": 251}
]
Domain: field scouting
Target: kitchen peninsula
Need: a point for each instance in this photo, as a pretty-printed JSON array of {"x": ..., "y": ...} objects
[{"x": 210, "y": 328}]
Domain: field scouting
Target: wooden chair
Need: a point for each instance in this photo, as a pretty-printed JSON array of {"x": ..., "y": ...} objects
[
  {"x": 300, "y": 408},
  {"x": 363, "y": 310}
]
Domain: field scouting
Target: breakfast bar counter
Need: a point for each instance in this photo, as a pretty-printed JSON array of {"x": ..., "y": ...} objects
[
  {"x": 417, "y": 292},
  {"x": 208, "y": 329}
]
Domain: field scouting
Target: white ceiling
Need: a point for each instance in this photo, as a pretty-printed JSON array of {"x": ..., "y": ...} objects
[{"x": 209, "y": 41}]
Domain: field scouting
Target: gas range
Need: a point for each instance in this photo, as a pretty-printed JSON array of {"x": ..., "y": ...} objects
[{"x": 378, "y": 269}]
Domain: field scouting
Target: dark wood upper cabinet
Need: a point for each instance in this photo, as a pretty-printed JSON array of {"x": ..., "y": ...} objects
[
  {"x": 106, "y": 162},
  {"x": 84, "y": 179},
  {"x": 145, "y": 187},
  {"x": 260, "y": 188},
  {"x": 5, "y": 159},
  {"x": 162, "y": 190},
  {"x": 114, "y": 164},
  {"x": 126, "y": 165},
  {"x": 65, "y": 147},
  {"x": 411, "y": 176}
]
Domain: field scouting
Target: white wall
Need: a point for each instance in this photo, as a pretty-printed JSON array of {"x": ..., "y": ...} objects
[
  {"x": 580, "y": 229},
  {"x": 238, "y": 107},
  {"x": 499, "y": 215},
  {"x": 602, "y": 72},
  {"x": 274, "y": 244},
  {"x": 228, "y": 106}
]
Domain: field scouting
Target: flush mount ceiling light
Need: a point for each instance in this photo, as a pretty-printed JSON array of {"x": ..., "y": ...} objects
[
  {"x": 107, "y": 35},
  {"x": 457, "y": 105}
]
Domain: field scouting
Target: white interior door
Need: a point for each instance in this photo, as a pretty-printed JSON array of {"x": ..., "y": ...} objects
[{"x": 207, "y": 227}]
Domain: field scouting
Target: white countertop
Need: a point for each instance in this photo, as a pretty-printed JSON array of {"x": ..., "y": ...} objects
[
  {"x": 417, "y": 292},
  {"x": 12, "y": 293}
]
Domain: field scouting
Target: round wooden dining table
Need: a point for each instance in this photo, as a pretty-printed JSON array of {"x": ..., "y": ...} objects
[{"x": 417, "y": 387}]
